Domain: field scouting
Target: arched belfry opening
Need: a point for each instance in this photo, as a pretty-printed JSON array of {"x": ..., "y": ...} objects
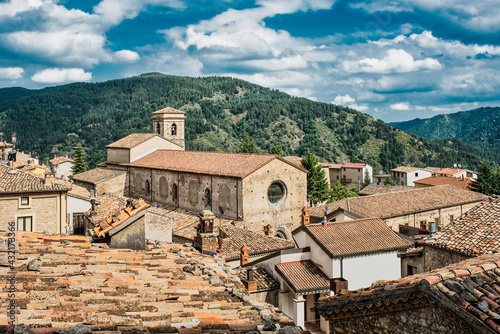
[{"x": 169, "y": 123}]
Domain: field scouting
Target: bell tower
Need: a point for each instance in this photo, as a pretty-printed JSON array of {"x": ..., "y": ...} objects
[{"x": 169, "y": 123}]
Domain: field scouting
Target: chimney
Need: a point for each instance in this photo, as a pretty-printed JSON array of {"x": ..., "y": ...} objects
[
  {"x": 56, "y": 175},
  {"x": 250, "y": 283},
  {"x": 432, "y": 229},
  {"x": 11, "y": 163},
  {"x": 306, "y": 218},
  {"x": 46, "y": 180},
  {"x": 220, "y": 241},
  {"x": 244, "y": 259},
  {"x": 337, "y": 284},
  {"x": 93, "y": 212},
  {"x": 268, "y": 230},
  {"x": 327, "y": 210},
  {"x": 324, "y": 223}
]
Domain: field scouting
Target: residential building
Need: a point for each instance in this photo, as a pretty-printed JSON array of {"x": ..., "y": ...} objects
[
  {"x": 99, "y": 181},
  {"x": 416, "y": 207},
  {"x": 475, "y": 233},
  {"x": 460, "y": 298},
  {"x": 462, "y": 182},
  {"x": 33, "y": 203},
  {"x": 380, "y": 178},
  {"x": 78, "y": 202},
  {"x": 62, "y": 167},
  {"x": 407, "y": 175},
  {"x": 353, "y": 174}
]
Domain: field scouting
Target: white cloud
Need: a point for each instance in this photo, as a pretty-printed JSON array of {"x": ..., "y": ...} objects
[
  {"x": 125, "y": 56},
  {"x": 395, "y": 61},
  {"x": 61, "y": 75},
  {"x": 400, "y": 106},
  {"x": 343, "y": 99},
  {"x": 11, "y": 73}
]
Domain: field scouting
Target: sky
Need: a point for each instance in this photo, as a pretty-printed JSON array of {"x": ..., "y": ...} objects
[{"x": 394, "y": 60}]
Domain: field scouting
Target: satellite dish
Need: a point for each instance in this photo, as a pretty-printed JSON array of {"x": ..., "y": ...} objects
[
  {"x": 459, "y": 166},
  {"x": 454, "y": 165}
]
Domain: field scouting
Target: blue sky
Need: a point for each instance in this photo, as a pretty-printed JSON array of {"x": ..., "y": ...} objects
[{"x": 395, "y": 60}]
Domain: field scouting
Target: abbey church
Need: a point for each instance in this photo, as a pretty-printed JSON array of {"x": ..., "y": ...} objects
[{"x": 260, "y": 190}]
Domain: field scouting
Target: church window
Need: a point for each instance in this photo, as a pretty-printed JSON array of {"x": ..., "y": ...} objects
[
  {"x": 173, "y": 129},
  {"x": 281, "y": 235},
  {"x": 174, "y": 192},
  {"x": 224, "y": 197},
  {"x": 275, "y": 192},
  {"x": 147, "y": 187},
  {"x": 193, "y": 192},
  {"x": 163, "y": 187},
  {"x": 158, "y": 128},
  {"x": 207, "y": 200}
]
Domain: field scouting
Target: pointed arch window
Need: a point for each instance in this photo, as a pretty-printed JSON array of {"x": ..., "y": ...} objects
[{"x": 173, "y": 130}]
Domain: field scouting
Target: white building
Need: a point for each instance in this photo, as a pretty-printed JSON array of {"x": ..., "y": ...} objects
[
  {"x": 78, "y": 202},
  {"x": 406, "y": 175},
  {"x": 61, "y": 166}
]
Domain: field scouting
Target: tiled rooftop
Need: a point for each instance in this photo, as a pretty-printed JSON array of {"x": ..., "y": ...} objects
[
  {"x": 257, "y": 243},
  {"x": 132, "y": 140},
  {"x": 168, "y": 110},
  {"x": 374, "y": 189},
  {"x": 16, "y": 181},
  {"x": 450, "y": 171},
  {"x": 355, "y": 237},
  {"x": 297, "y": 161},
  {"x": 79, "y": 192},
  {"x": 97, "y": 175},
  {"x": 107, "y": 205},
  {"x": 303, "y": 276},
  {"x": 264, "y": 280},
  {"x": 58, "y": 160},
  {"x": 212, "y": 163},
  {"x": 440, "y": 180},
  {"x": 400, "y": 203},
  {"x": 475, "y": 233},
  {"x": 354, "y": 165},
  {"x": 163, "y": 290},
  {"x": 472, "y": 286},
  {"x": 404, "y": 169}
]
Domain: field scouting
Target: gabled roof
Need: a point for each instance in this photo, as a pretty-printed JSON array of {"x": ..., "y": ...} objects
[
  {"x": 265, "y": 281},
  {"x": 212, "y": 163},
  {"x": 467, "y": 291},
  {"x": 79, "y": 192},
  {"x": 257, "y": 243},
  {"x": 168, "y": 110},
  {"x": 405, "y": 169},
  {"x": 354, "y": 165},
  {"x": 59, "y": 160},
  {"x": 132, "y": 140},
  {"x": 404, "y": 202},
  {"x": 475, "y": 233},
  {"x": 98, "y": 175},
  {"x": 303, "y": 276},
  {"x": 440, "y": 180},
  {"x": 355, "y": 237},
  {"x": 375, "y": 189},
  {"x": 16, "y": 181},
  {"x": 450, "y": 171}
]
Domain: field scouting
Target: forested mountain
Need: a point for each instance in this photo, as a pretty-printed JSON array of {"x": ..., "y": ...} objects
[
  {"x": 478, "y": 127},
  {"x": 10, "y": 95},
  {"x": 220, "y": 111}
]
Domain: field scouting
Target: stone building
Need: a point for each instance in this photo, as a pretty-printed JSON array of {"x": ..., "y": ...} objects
[
  {"x": 416, "y": 207},
  {"x": 460, "y": 298},
  {"x": 103, "y": 180},
  {"x": 35, "y": 204},
  {"x": 475, "y": 233}
]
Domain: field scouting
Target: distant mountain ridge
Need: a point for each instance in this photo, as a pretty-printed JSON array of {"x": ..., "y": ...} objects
[
  {"x": 220, "y": 111},
  {"x": 479, "y": 127}
]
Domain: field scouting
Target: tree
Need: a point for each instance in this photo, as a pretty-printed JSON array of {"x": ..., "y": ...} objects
[
  {"x": 485, "y": 180},
  {"x": 276, "y": 149},
  {"x": 317, "y": 185},
  {"x": 389, "y": 181},
  {"x": 247, "y": 145},
  {"x": 367, "y": 180},
  {"x": 497, "y": 182},
  {"x": 79, "y": 158},
  {"x": 340, "y": 192}
]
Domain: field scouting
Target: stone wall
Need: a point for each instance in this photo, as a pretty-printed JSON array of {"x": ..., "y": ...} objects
[
  {"x": 158, "y": 227},
  {"x": 435, "y": 258},
  {"x": 130, "y": 237},
  {"x": 416, "y": 261},
  {"x": 424, "y": 320},
  {"x": 116, "y": 185}
]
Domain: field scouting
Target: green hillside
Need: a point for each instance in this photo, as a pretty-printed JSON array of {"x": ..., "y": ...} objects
[
  {"x": 478, "y": 127},
  {"x": 220, "y": 111}
]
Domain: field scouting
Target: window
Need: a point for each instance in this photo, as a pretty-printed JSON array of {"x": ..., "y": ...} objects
[
  {"x": 174, "y": 192},
  {"x": 147, "y": 187},
  {"x": 275, "y": 192},
  {"x": 173, "y": 129},
  {"x": 411, "y": 270},
  {"x": 207, "y": 199},
  {"x": 281, "y": 235},
  {"x": 78, "y": 224},
  {"x": 451, "y": 218},
  {"x": 158, "y": 128},
  {"x": 25, "y": 224},
  {"x": 416, "y": 174},
  {"x": 337, "y": 177},
  {"x": 423, "y": 224},
  {"x": 25, "y": 201}
]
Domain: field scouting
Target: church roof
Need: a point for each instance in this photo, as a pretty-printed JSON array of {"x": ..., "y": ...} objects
[
  {"x": 212, "y": 163},
  {"x": 97, "y": 175},
  {"x": 168, "y": 110},
  {"x": 132, "y": 140}
]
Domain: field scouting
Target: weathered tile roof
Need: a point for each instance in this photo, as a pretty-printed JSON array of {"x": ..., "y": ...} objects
[
  {"x": 97, "y": 175},
  {"x": 303, "y": 276},
  {"x": 354, "y": 165},
  {"x": 15, "y": 181},
  {"x": 58, "y": 160},
  {"x": 440, "y": 180},
  {"x": 132, "y": 140},
  {"x": 297, "y": 161},
  {"x": 257, "y": 243},
  {"x": 469, "y": 289},
  {"x": 265, "y": 281},
  {"x": 450, "y": 171},
  {"x": 107, "y": 205},
  {"x": 355, "y": 237},
  {"x": 79, "y": 192},
  {"x": 163, "y": 290},
  {"x": 374, "y": 189},
  {"x": 168, "y": 110},
  {"x": 404, "y": 169},
  {"x": 404, "y": 202},
  {"x": 475, "y": 233},
  {"x": 212, "y": 163}
]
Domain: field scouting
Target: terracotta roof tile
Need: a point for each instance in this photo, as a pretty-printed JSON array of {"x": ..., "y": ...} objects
[
  {"x": 404, "y": 169},
  {"x": 98, "y": 175},
  {"x": 440, "y": 180},
  {"x": 264, "y": 280},
  {"x": 355, "y": 237},
  {"x": 168, "y": 110},
  {"x": 58, "y": 160},
  {"x": 475, "y": 233},
  {"x": 212, "y": 163},
  {"x": 16, "y": 181},
  {"x": 399, "y": 203},
  {"x": 450, "y": 171},
  {"x": 374, "y": 189},
  {"x": 80, "y": 192},
  {"x": 354, "y": 165},
  {"x": 257, "y": 243},
  {"x": 303, "y": 276},
  {"x": 132, "y": 140}
]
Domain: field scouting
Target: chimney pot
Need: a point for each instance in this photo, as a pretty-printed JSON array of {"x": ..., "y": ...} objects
[{"x": 306, "y": 218}]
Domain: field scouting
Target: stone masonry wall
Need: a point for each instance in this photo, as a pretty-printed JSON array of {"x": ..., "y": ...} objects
[
  {"x": 435, "y": 258},
  {"x": 43, "y": 209},
  {"x": 424, "y": 320},
  {"x": 116, "y": 185}
]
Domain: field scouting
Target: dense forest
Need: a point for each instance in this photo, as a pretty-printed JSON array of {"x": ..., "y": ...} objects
[{"x": 220, "y": 112}]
